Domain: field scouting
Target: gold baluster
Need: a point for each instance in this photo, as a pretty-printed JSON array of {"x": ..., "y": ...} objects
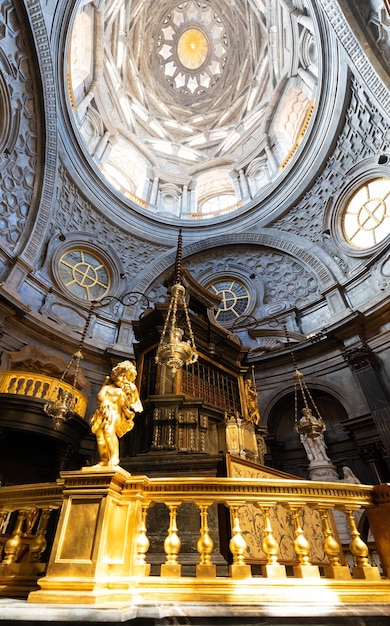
[
  {"x": 359, "y": 550},
  {"x": 31, "y": 517},
  {"x": 13, "y": 546},
  {"x": 237, "y": 545},
  {"x": 39, "y": 543},
  {"x": 4, "y": 521},
  {"x": 141, "y": 568},
  {"x": 12, "y": 385},
  {"x": 29, "y": 387},
  {"x": 304, "y": 569},
  {"x": 272, "y": 569},
  {"x": 21, "y": 386},
  {"x": 205, "y": 545},
  {"x": 332, "y": 549},
  {"x": 172, "y": 544}
]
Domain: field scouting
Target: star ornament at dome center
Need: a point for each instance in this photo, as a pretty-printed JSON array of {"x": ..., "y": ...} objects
[{"x": 192, "y": 48}]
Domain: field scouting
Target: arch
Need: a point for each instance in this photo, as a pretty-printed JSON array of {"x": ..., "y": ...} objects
[
  {"x": 313, "y": 383},
  {"x": 215, "y": 190},
  {"x": 287, "y": 451},
  {"x": 41, "y": 221},
  {"x": 290, "y": 245},
  {"x": 348, "y": 31}
]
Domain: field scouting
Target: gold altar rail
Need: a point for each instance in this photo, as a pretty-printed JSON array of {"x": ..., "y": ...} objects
[
  {"x": 39, "y": 386},
  {"x": 113, "y": 505},
  {"x": 25, "y": 511},
  {"x": 100, "y": 548}
]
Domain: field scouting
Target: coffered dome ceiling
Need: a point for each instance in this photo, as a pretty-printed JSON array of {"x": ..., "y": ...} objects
[{"x": 193, "y": 110}]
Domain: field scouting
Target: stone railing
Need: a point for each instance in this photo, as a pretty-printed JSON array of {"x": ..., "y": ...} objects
[
  {"x": 101, "y": 548},
  {"x": 211, "y": 214},
  {"x": 41, "y": 387}
]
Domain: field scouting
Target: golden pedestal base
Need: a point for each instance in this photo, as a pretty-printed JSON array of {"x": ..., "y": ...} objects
[
  {"x": 240, "y": 571},
  {"x": 306, "y": 571},
  {"x": 141, "y": 570},
  {"x": 366, "y": 573},
  {"x": 206, "y": 571},
  {"x": 169, "y": 570},
  {"x": 273, "y": 571},
  {"x": 341, "y": 572},
  {"x": 93, "y": 557},
  {"x": 17, "y": 580}
]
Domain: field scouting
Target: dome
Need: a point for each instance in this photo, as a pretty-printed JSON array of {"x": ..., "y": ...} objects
[{"x": 166, "y": 97}]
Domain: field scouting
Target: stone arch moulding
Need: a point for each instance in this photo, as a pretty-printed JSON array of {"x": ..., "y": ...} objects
[
  {"x": 313, "y": 384},
  {"x": 41, "y": 222},
  {"x": 270, "y": 239},
  {"x": 366, "y": 65}
]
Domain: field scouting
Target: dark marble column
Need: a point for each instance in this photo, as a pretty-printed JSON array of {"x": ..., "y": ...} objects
[{"x": 367, "y": 371}]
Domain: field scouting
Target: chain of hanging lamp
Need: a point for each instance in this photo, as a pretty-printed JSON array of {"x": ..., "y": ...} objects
[
  {"x": 172, "y": 350},
  {"x": 309, "y": 425},
  {"x": 62, "y": 407}
]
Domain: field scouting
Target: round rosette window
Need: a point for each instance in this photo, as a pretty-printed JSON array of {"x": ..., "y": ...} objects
[
  {"x": 365, "y": 219},
  {"x": 235, "y": 299},
  {"x": 84, "y": 274}
]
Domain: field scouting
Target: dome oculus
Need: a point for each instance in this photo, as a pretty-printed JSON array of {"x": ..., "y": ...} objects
[{"x": 192, "y": 48}]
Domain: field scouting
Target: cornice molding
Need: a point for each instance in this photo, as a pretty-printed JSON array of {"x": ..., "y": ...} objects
[{"x": 365, "y": 65}]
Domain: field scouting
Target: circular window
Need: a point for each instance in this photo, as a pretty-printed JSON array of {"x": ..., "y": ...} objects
[
  {"x": 366, "y": 217},
  {"x": 84, "y": 274},
  {"x": 235, "y": 299}
]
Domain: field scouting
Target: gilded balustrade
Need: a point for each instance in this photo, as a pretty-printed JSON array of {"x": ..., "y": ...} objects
[
  {"x": 41, "y": 387},
  {"x": 24, "y": 515},
  {"x": 114, "y": 505},
  {"x": 100, "y": 550},
  {"x": 264, "y": 494}
]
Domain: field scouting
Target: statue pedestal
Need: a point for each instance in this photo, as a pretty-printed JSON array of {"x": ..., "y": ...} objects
[
  {"x": 92, "y": 558},
  {"x": 323, "y": 471}
]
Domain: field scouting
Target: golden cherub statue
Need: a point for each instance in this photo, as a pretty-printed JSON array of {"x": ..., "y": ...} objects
[{"x": 118, "y": 401}]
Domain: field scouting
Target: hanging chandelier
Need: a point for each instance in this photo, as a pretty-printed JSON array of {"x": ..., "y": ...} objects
[
  {"x": 307, "y": 424},
  {"x": 62, "y": 407},
  {"x": 173, "y": 351}
]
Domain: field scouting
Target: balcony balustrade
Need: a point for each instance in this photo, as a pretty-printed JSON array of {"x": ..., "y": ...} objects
[{"x": 40, "y": 387}]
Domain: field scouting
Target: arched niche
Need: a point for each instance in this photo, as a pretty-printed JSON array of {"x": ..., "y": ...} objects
[{"x": 286, "y": 450}]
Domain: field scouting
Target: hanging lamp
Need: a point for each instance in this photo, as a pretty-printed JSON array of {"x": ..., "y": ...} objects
[
  {"x": 308, "y": 424},
  {"x": 63, "y": 406},
  {"x": 173, "y": 351}
]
